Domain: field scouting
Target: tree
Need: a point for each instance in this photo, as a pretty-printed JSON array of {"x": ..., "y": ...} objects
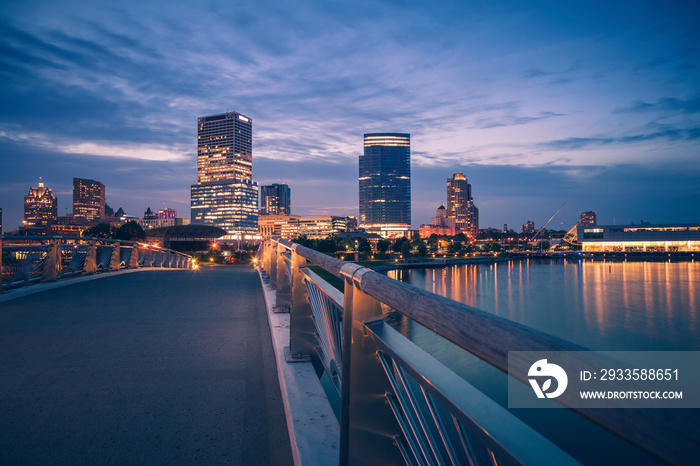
[
  {"x": 382, "y": 246},
  {"x": 101, "y": 230},
  {"x": 364, "y": 246},
  {"x": 130, "y": 231},
  {"x": 405, "y": 248},
  {"x": 422, "y": 248},
  {"x": 398, "y": 244},
  {"x": 460, "y": 237}
]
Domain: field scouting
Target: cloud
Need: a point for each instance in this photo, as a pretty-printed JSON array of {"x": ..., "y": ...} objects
[{"x": 665, "y": 105}]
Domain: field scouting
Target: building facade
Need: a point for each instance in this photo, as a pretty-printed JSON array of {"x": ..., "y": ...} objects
[
  {"x": 224, "y": 147},
  {"x": 40, "y": 207},
  {"x": 88, "y": 199},
  {"x": 316, "y": 227},
  {"x": 440, "y": 225},
  {"x": 588, "y": 219},
  {"x": 166, "y": 213},
  {"x": 529, "y": 228},
  {"x": 231, "y": 205},
  {"x": 460, "y": 205},
  {"x": 640, "y": 238},
  {"x": 225, "y": 195},
  {"x": 385, "y": 182},
  {"x": 275, "y": 199}
]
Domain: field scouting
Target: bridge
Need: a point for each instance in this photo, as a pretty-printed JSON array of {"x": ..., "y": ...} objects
[{"x": 182, "y": 366}]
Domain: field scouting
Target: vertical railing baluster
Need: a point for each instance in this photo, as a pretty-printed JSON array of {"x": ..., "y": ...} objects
[{"x": 116, "y": 257}]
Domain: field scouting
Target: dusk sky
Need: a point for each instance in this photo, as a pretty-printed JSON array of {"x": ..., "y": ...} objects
[{"x": 592, "y": 104}]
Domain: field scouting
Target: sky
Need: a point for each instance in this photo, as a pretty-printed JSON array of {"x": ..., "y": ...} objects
[{"x": 590, "y": 105}]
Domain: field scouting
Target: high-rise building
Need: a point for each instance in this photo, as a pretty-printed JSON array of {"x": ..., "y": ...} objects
[
  {"x": 385, "y": 182},
  {"x": 225, "y": 195},
  {"x": 40, "y": 207},
  {"x": 224, "y": 147},
  {"x": 88, "y": 199},
  {"x": 275, "y": 199},
  {"x": 231, "y": 205},
  {"x": 460, "y": 205},
  {"x": 588, "y": 218},
  {"x": 529, "y": 227}
]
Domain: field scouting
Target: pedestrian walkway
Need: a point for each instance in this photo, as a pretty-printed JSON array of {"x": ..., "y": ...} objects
[{"x": 154, "y": 367}]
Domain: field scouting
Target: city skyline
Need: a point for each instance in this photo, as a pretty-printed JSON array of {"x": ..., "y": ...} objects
[{"x": 536, "y": 104}]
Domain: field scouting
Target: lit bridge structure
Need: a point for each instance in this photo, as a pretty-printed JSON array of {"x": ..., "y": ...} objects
[{"x": 178, "y": 366}]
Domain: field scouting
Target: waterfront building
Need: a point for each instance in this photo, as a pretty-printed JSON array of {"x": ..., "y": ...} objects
[
  {"x": 460, "y": 205},
  {"x": 385, "y": 183},
  {"x": 225, "y": 195},
  {"x": 529, "y": 228},
  {"x": 640, "y": 238},
  {"x": 275, "y": 199},
  {"x": 88, "y": 199},
  {"x": 588, "y": 218},
  {"x": 440, "y": 225},
  {"x": 40, "y": 207}
]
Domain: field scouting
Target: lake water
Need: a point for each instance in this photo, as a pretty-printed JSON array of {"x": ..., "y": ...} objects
[{"x": 605, "y": 306}]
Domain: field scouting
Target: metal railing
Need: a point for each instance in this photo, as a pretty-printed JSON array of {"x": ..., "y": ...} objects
[
  {"x": 32, "y": 259},
  {"x": 400, "y": 405}
]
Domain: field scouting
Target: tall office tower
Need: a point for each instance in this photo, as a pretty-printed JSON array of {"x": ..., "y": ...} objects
[
  {"x": 275, "y": 199},
  {"x": 224, "y": 147},
  {"x": 88, "y": 199},
  {"x": 529, "y": 227},
  {"x": 460, "y": 205},
  {"x": 385, "y": 182},
  {"x": 588, "y": 218},
  {"x": 225, "y": 195},
  {"x": 40, "y": 207}
]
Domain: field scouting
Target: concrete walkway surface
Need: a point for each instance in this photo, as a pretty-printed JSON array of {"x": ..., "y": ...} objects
[{"x": 155, "y": 367}]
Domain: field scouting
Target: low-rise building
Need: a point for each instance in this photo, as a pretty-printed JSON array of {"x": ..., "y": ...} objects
[{"x": 640, "y": 238}]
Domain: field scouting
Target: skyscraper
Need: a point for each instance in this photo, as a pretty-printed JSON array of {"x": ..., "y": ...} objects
[
  {"x": 224, "y": 148},
  {"x": 225, "y": 195},
  {"x": 460, "y": 205},
  {"x": 88, "y": 199},
  {"x": 275, "y": 199},
  {"x": 40, "y": 207},
  {"x": 385, "y": 182}
]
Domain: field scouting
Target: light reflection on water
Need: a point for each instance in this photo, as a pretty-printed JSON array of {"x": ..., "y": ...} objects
[{"x": 599, "y": 305}]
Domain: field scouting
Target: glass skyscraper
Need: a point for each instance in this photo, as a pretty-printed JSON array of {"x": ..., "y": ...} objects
[
  {"x": 385, "y": 182},
  {"x": 225, "y": 195}
]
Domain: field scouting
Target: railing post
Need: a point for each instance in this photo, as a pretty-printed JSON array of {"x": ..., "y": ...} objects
[
  {"x": 116, "y": 258},
  {"x": 367, "y": 424},
  {"x": 273, "y": 264},
  {"x": 284, "y": 290},
  {"x": 91, "y": 257},
  {"x": 134, "y": 258},
  {"x": 302, "y": 340},
  {"x": 53, "y": 261}
]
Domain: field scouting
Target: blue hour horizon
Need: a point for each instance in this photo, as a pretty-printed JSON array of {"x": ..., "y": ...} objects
[{"x": 538, "y": 105}]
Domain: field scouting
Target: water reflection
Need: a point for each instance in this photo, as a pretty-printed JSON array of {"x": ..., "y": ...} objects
[{"x": 600, "y": 305}]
